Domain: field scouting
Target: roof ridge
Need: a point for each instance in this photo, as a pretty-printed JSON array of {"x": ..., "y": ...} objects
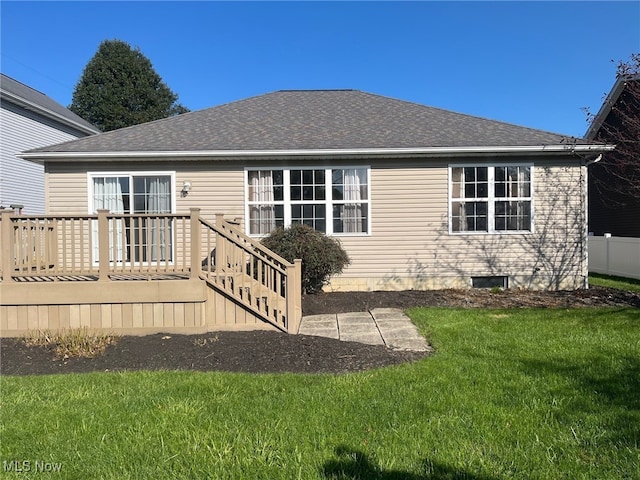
[{"x": 319, "y": 90}]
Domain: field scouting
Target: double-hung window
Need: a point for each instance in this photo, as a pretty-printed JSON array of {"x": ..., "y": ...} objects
[
  {"x": 147, "y": 238},
  {"x": 331, "y": 200},
  {"x": 491, "y": 199}
]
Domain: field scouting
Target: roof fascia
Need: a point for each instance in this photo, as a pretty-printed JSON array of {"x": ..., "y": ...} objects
[
  {"x": 22, "y": 102},
  {"x": 569, "y": 149}
]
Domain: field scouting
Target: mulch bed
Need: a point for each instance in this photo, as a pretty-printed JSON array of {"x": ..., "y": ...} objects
[
  {"x": 338, "y": 302},
  {"x": 273, "y": 352}
]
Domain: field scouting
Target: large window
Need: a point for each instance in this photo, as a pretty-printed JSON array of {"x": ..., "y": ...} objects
[
  {"x": 145, "y": 239},
  {"x": 491, "y": 199},
  {"x": 331, "y": 200}
]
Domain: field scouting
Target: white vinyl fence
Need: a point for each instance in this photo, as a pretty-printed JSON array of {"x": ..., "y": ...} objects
[{"x": 619, "y": 256}]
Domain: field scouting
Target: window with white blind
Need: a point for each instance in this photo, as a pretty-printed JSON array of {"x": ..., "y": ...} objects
[
  {"x": 331, "y": 200},
  {"x": 490, "y": 199}
]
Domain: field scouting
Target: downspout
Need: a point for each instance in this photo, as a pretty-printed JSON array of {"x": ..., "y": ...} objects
[
  {"x": 587, "y": 164},
  {"x": 592, "y": 161}
]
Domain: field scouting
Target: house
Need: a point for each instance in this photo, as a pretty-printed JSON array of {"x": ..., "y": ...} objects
[
  {"x": 420, "y": 197},
  {"x": 156, "y": 227},
  {"x": 613, "y": 208},
  {"x": 29, "y": 120}
]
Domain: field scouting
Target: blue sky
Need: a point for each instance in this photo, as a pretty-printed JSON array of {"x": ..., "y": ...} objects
[{"x": 535, "y": 64}]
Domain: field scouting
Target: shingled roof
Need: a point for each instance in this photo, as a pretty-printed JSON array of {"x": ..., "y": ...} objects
[
  {"x": 20, "y": 94},
  {"x": 311, "y": 120}
]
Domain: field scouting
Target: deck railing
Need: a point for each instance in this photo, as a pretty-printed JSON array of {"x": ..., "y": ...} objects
[
  {"x": 263, "y": 281},
  {"x": 108, "y": 247},
  {"x": 101, "y": 245}
]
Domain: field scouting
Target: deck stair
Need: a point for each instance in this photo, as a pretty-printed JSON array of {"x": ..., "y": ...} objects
[
  {"x": 245, "y": 270},
  {"x": 86, "y": 266}
]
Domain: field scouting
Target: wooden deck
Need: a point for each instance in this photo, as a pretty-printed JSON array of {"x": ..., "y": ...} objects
[
  {"x": 121, "y": 277},
  {"x": 116, "y": 273}
]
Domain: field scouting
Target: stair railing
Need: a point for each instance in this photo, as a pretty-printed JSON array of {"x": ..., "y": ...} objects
[{"x": 264, "y": 282}]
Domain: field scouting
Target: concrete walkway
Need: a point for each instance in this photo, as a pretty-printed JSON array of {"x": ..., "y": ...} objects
[{"x": 380, "y": 326}]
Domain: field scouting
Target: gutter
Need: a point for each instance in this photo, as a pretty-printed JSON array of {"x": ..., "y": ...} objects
[{"x": 39, "y": 157}]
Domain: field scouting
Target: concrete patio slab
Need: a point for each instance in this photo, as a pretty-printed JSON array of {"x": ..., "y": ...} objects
[
  {"x": 381, "y": 326},
  {"x": 369, "y": 338},
  {"x": 328, "y": 333},
  {"x": 320, "y": 325},
  {"x": 389, "y": 315},
  {"x": 355, "y": 318}
]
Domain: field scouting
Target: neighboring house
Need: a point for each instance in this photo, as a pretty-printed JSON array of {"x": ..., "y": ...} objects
[
  {"x": 30, "y": 119},
  {"x": 611, "y": 210},
  {"x": 420, "y": 197}
]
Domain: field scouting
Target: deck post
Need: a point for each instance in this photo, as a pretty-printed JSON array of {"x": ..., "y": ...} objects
[
  {"x": 196, "y": 239},
  {"x": 7, "y": 246},
  {"x": 221, "y": 255},
  {"x": 103, "y": 245},
  {"x": 294, "y": 296}
]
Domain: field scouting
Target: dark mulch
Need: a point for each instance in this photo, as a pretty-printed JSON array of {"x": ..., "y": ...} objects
[
  {"x": 339, "y": 302},
  {"x": 268, "y": 351},
  {"x": 253, "y": 351}
]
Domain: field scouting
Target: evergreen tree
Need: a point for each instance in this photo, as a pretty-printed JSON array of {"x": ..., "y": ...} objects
[{"x": 119, "y": 88}]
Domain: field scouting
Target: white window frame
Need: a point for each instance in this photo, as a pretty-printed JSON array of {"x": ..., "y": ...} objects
[
  {"x": 328, "y": 202},
  {"x": 130, "y": 174},
  {"x": 491, "y": 199}
]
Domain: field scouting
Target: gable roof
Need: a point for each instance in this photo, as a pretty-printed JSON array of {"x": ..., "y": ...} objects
[
  {"x": 618, "y": 89},
  {"x": 305, "y": 121},
  {"x": 24, "y": 96}
]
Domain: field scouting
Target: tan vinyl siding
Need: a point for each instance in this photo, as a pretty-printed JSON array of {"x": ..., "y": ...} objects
[
  {"x": 66, "y": 189},
  {"x": 410, "y": 245},
  {"x": 408, "y": 203},
  {"x": 216, "y": 189},
  {"x": 212, "y": 190},
  {"x": 408, "y": 206}
]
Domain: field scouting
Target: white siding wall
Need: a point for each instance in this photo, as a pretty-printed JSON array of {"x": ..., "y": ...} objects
[
  {"x": 410, "y": 245},
  {"x": 22, "y": 182}
]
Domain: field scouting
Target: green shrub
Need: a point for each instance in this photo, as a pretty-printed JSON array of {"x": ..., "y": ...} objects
[{"x": 321, "y": 256}]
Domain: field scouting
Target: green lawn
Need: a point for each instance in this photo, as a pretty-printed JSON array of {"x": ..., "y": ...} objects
[
  {"x": 620, "y": 283},
  {"x": 520, "y": 393}
]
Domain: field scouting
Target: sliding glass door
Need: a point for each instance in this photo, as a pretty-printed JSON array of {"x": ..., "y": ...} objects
[{"x": 145, "y": 239}]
